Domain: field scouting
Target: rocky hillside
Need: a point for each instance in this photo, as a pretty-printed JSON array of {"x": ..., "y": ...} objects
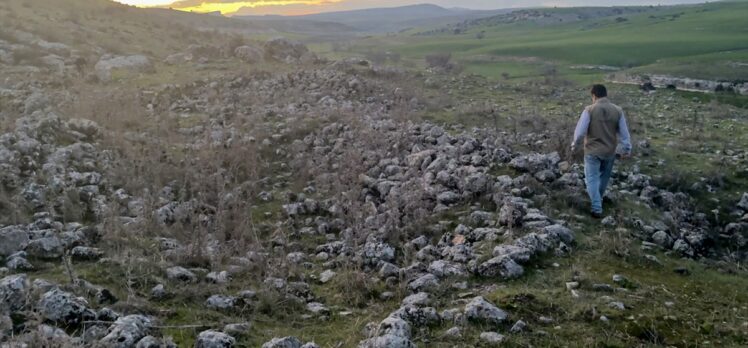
[{"x": 269, "y": 198}]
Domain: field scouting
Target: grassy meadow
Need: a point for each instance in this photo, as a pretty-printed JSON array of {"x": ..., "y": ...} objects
[{"x": 698, "y": 41}]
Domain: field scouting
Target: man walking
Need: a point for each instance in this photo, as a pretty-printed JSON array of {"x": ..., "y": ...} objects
[{"x": 602, "y": 126}]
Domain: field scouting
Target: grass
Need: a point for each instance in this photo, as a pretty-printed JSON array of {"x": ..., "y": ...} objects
[{"x": 696, "y": 41}]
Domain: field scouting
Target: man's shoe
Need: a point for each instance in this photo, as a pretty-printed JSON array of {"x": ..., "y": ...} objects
[{"x": 596, "y": 215}]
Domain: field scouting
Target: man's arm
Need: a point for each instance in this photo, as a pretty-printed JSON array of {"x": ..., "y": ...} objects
[
  {"x": 624, "y": 138},
  {"x": 581, "y": 131}
]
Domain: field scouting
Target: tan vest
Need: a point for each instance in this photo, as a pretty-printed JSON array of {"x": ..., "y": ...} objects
[{"x": 602, "y": 135}]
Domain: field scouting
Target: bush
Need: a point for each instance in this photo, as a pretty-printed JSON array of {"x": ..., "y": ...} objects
[
  {"x": 28, "y": 55},
  {"x": 439, "y": 60},
  {"x": 377, "y": 57}
]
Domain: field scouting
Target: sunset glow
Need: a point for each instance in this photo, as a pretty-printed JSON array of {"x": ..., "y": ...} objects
[
  {"x": 230, "y": 7},
  {"x": 226, "y": 7},
  {"x": 145, "y": 3},
  {"x": 298, "y": 7}
]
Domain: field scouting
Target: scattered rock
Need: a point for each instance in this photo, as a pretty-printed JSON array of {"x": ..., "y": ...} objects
[
  {"x": 326, "y": 276},
  {"x": 518, "y": 327},
  {"x": 181, "y": 274},
  {"x": 285, "y": 342},
  {"x": 480, "y": 310},
  {"x": 221, "y": 302},
  {"x": 63, "y": 307},
  {"x": 214, "y": 339},
  {"x": 82, "y": 253},
  {"x": 13, "y": 293},
  {"x": 491, "y": 338}
]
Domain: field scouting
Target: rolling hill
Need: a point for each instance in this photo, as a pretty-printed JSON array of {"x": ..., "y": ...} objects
[
  {"x": 107, "y": 26},
  {"x": 386, "y": 20},
  {"x": 707, "y": 41}
]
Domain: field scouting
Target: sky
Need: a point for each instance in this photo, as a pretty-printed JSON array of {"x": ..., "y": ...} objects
[{"x": 298, "y": 7}]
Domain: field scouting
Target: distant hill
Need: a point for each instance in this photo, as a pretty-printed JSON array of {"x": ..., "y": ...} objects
[
  {"x": 383, "y": 20},
  {"x": 706, "y": 41},
  {"x": 376, "y": 15}
]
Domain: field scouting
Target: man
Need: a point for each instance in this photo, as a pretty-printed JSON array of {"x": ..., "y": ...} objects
[{"x": 602, "y": 126}]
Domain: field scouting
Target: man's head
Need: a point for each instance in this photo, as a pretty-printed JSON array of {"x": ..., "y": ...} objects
[{"x": 598, "y": 91}]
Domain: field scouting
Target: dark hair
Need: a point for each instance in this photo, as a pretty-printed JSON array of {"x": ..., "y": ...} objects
[{"x": 599, "y": 91}]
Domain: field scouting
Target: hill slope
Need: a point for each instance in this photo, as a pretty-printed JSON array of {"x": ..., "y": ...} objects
[
  {"x": 102, "y": 25},
  {"x": 662, "y": 38},
  {"x": 392, "y": 19}
]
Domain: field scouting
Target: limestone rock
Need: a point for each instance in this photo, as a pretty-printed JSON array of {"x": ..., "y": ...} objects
[
  {"x": 480, "y": 310},
  {"x": 214, "y": 339}
]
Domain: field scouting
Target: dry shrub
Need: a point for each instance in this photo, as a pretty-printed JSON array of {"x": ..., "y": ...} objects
[
  {"x": 275, "y": 304},
  {"x": 29, "y": 55},
  {"x": 357, "y": 288},
  {"x": 438, "y": 60}
]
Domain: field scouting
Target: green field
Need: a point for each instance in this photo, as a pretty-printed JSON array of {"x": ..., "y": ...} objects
[{"x": 700, "y": 41}]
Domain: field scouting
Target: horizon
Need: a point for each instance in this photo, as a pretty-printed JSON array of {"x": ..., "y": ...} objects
[{"x": 308, "y": 7}]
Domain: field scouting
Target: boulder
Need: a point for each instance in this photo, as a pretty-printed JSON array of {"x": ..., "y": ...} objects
[
  {"x": 237, "y": 329},
  {"x": 65, "y": 308},
  {"x": 491, "y": 338},
  {"x": 393, "y": 326},
  {"x": 560, "y": 232},
  {"x": 662, "y": 239},
  {"x": 442, "y": 269},
  {"x": 148, "y": 342},
  {"x": 127, "y": 331},
  {"x": 52, "y": 334},
  {"x": 13, "y": 291},
  {"x": 284, "y": 342},
  {"x": 387, "y": 341},
  {"x": 535, "y": 162},
  {"x": 448, "y": 197},
  {"x": 326, "y": 276},
  {"x": 375, "y": 252},
  {"x": 221, "y": 302},
  {"x": 476, "y": 183},
  {"x": 12, "y": 240},
  {"x": 18, "y": 262},
  {"x": 180, "y": 274},
  {"x": 501, "y": 266},
  {"x": 214, "y": 339},
  {"x": 511, "y": 213},
  {"x": 424, "y": 283},
  {"x": 82, "y": 253},
  {"x": 417, "y": 299},
  {"x": 743, "y": 204},
  {"x": 517, "y": 253},
  {"x": 45, "y": 248},
  {"x": 417, "y": 316},
  {"x": 480, "y": 310},
  {"x": 221, "y": 277}
]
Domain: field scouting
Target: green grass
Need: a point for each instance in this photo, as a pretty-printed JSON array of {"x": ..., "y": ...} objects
[{"x": 703, "y": 38}]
